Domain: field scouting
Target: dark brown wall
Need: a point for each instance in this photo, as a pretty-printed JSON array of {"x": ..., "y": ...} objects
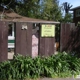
[
  {"x": 23, "y": 39},
  {"x": 75, "y": 19},
  {"x": 3, "y": 41}
]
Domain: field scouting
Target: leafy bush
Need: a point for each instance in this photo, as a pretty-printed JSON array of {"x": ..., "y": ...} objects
[{"x": 22, "y": 67}]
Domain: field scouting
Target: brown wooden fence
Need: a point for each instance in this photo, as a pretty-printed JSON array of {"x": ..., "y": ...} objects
[
  {"x": 69, "y": 40},
  {"x": 46, "y": 47},
  {"x": 69, "y": 37},
  {"x": 3, "y": 40},
  {"x": 23, "y": 41}
]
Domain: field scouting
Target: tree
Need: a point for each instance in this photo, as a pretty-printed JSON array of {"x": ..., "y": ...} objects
[
  {"x": 43, "y": 9},
  {"x": 68, "y": 15},
  {"x": 67, "y": 18},
  {"x": 9, "y": 3},
  {"x": 67, "y": 7},
  {"x": 29, "y": 8},
  {"x": 50, "y": 10}
]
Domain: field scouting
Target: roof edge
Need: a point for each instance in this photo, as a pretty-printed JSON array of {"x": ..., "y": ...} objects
[
  {"x": 74, "y": 8},
  {"x": 38, "y": 22}
]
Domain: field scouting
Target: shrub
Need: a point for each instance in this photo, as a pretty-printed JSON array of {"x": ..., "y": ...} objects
[{"x": 22, "y": 67}]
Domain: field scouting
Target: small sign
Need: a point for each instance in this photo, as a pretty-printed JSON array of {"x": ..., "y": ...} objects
[
  {"x": 48, "y": 30},
  {"x": 24, "y": 27}
]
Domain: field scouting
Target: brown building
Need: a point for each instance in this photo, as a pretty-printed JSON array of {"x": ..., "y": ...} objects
[{"x": 76, "y": 14}]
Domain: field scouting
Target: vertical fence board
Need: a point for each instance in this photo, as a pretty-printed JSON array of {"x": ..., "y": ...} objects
[
  {"x": 41, "y": 46},
  {"x": 76, "y": 40},
  {"x": 29, "y": 39},
  {"x": 23, "y": 40},
  {"x": 66, "y": 36},
  {"x": 47, "y": 49},
  {"x": 52, "y": 44},
  {"x": 17, "y": 38},
  {"x": 62, "y": 36},
  {"x": 3, "y": 41},
  {"x": 46, "y": 45}
]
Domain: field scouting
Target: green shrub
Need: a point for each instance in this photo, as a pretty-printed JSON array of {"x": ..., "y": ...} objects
[{"x": 22, "y": 67}]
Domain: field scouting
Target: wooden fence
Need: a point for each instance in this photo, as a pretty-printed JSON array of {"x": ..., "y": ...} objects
[
  {"x": 69, "y": 37},
  {"x": 46, "y": 47},
  {"x": 3, "y": 40},
  {"x": 69, "y": 40},
  {"x": 23, "y": 41}
]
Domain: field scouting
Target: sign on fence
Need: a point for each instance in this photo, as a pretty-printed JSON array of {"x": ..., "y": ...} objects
[{"x": 47, "y": 30}]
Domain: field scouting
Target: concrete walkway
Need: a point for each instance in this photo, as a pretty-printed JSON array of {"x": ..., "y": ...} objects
[
  {"x": 60, "y": 79},
  {"x": 55, "y": 79}
]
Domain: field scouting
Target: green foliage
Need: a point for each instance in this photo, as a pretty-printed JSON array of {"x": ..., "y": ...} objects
[
  {"x": 50, "y": 10},
  {"x": 41, "y": 9},
  {"x": 67, "y": 18},
  {"x": 24, "y": 67}
]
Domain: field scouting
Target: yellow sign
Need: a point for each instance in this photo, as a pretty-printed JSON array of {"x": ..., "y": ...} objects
[{"x": 47, "y": 30}]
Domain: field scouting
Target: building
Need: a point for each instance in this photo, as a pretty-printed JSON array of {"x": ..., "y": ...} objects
[{"x": 76, "y": 15}]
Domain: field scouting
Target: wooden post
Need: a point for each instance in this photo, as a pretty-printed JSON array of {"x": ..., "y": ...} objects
[
  {"x": 23, "y": 38},
  {"x": 3, "y": 41}
]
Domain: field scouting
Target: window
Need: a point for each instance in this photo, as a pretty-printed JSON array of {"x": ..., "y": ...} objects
[
  {"x": 78, "y": 13},
  {"x": 11, "y": 31},
  {"x": 11, "y": 36}
]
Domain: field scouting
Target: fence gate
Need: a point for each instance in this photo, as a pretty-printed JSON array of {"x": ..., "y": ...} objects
[
  {"x": 3, "y": 40},
  {"x": 23, "y": 38}
]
